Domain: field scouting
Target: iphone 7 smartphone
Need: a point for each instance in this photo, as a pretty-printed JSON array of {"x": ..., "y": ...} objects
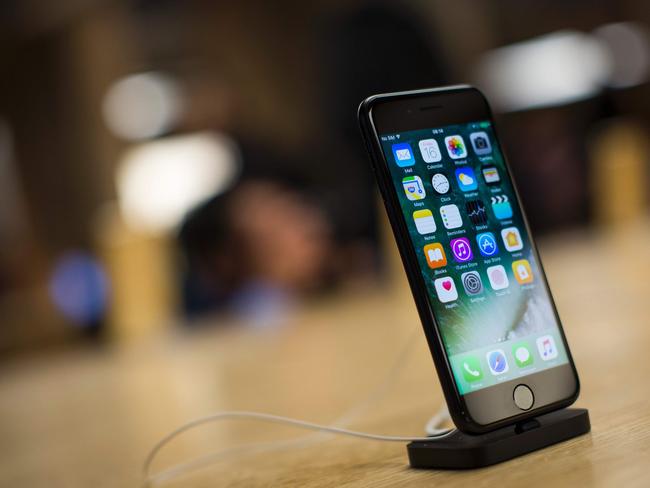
[{"x": 471, "y": 262}]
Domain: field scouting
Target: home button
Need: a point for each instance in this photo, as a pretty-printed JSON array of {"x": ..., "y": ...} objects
[{"x": 523, "y": 397}]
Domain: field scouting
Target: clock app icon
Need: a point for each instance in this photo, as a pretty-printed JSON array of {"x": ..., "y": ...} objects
[{"x": 440, "y": 183}]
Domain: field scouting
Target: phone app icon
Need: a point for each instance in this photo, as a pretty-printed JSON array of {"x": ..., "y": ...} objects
[
  {"x": 466, "y": 179},
  {"x": 497, "y": 362},
  {"x": 446, "y": 289},
  {"x": 435, "y": 255},
  {"x": 521, "y": 270},
  {"x": 476, "y": 212},
  {"x": 522, "y": 354},
  {"x": 403, "y": 154},
  {"x": 424, "y": 222},
  {"x": 471, "y": 368},
  {"x": 512, "y": 239},
  {"x": 430, "y": 150},
  {"x": 498, "y": 277},
  {"x": 491, "y": 175},
  {"x": 472, "y": 283},
  {"x": 501, "y": 207},
  {"x": 440, "y": 183},
  {"x": 461, "y": 249},
  {"x": 456, "y": 147},
  {"x": 480, "y": 143},
  {"x": 413, "y": 188},
  {"x": 546, "y": 347},
  {"x": 487, "y": 244},
  {"x": 451, "y": 216}
]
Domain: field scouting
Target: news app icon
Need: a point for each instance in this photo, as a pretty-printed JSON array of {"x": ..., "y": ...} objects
[{"x": 403, "y": 154}]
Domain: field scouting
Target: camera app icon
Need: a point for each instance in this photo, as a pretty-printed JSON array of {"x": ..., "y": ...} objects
[{"x": 480, "y": 143}]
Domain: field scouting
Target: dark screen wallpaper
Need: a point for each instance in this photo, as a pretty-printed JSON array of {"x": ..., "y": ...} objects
[{"x": 468, "y": 232}]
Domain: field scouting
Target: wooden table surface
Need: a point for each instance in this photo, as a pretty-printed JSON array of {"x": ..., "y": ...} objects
[{"x": 87, "y": 419}]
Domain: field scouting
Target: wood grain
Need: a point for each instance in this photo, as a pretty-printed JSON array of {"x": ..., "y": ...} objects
[{"x": 87, "y": 419}]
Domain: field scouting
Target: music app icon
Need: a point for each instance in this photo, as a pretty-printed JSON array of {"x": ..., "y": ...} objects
[
  {"x": 546, "y": 347},
  {"x": 461, "y": 249}
]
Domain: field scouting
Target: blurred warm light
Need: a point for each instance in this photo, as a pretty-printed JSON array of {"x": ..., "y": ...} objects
[
  {"x": 628, "y": 45},
  {"x": 143, "y": 105},
  {"x": 158, "y": 182},
  {"x": 553, "y": 69},
  {"x": 79, "y": 288}
]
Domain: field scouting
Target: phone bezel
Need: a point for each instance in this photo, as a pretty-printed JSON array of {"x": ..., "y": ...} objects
[{"x": 484, "y": 409}]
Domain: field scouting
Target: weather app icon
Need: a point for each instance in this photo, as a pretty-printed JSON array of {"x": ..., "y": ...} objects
[
  {"x": 466, "y": 179},
  {"x": 487, "y": 244}
]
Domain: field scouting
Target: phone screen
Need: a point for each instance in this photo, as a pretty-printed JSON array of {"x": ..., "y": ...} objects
[{"x": 488, "y": 294}]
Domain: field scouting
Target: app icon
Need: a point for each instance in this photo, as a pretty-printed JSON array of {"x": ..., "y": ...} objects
[
  {"x": 471, "y": 368},
  {"x": 435, "y": 255},
  {"x": 480, "y": 143},
  {"x": 446, "y": 289},
  {"x": 521, "y": 270},
  {"x": 440, "y": 183},
  {"x": 476, "y": 212},
  {"x": 455, "y": 147},
  {"x": 413, "y": 187},
  {"x": 498, "y": 277},
  {"x": 430, "y": 150},
  {"x": 451, "y": 216},
  {"x": 501, "y": 207},
  {"x": 472, "y": 283},
  {"x": 491, "y": 175},
  {"x": 511, "y": 239},
  {"x": 461, "y": 249},
  {"x": 424, "y": 222},
  {"x": 487, "y": 244},
  {"x": 497, "y": 362},
  {"x": 522, "y": 355},
  {"x": 546, "y": 347},
  {"x": 403, "y": 154},
  {"x": 466, "y": 179}
]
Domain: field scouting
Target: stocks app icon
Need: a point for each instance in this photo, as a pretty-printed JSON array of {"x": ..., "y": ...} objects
[
  {"x": 476, "y": 212},
  {"x": 472, "y": 283}
]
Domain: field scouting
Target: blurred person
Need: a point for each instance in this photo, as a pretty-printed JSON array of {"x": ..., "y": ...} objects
[{"x": 254, "y": 250}]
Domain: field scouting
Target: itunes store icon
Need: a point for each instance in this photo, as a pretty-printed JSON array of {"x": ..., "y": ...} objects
[{"x": 498, "y": 277}]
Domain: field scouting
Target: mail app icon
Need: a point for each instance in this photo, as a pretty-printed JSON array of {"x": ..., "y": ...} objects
[{"x": 403, "y": 155}]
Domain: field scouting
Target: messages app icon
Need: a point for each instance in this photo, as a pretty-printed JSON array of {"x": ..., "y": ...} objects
[{"x": 403, "y": 155}]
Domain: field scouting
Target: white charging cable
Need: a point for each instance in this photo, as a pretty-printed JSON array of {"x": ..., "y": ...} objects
[{"x": 432, "y": 428}]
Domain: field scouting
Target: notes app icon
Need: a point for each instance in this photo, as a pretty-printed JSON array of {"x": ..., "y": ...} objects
[
  {"x": 424, "y": 222},
  {"x": 435, "y": 255}
]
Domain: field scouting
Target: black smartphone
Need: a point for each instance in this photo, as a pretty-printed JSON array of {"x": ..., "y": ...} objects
[{"x": 475, "y": 274}]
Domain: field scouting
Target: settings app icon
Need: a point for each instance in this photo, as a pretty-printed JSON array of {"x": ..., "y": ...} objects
[{"x": 472, "y": 283}]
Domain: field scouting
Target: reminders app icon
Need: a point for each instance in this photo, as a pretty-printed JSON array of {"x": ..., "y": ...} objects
[{"x": 403, "y": 155}]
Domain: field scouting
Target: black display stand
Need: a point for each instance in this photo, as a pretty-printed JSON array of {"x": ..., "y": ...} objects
[{"x": 459, "y": 450}]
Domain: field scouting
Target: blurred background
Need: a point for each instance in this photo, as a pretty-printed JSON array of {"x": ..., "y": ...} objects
[{"x": 167, "y": 165}]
